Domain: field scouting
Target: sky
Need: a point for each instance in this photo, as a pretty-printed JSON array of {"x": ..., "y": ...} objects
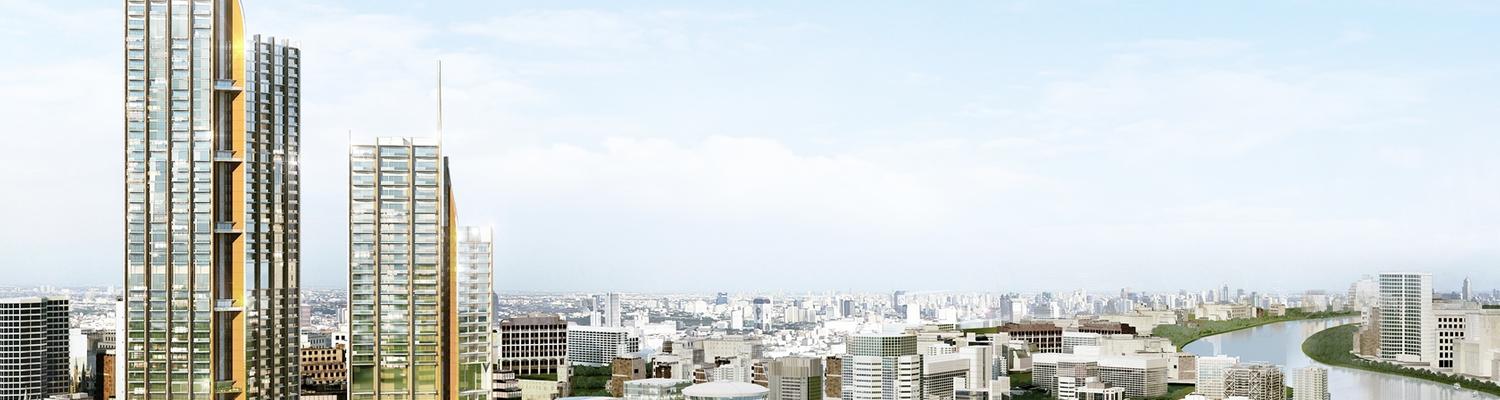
[{"x": 783, "y": 145}]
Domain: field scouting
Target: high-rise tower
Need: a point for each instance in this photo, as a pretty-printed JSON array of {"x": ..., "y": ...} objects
[
  {"x": 211, "y": 205},
  {"x": 33, "y": 347},
  {"x": 1408, "y": 325},
  {"x": 475, "y": 267},
  {"x": 882, "y": 367},
  {"x": 403, "y": 339}
]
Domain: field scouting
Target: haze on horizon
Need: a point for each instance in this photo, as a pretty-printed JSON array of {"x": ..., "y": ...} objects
[{"x": 701, "y": 147}]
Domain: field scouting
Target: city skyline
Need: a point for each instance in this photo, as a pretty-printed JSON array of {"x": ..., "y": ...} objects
[{"x": 1338, "y": 145}]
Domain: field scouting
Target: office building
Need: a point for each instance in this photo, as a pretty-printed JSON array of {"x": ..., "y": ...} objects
[
  {"x": 1071, "y": 339},
  {"x": 725, "y": 391},
  {"x": 1255, "y": 381},
  {"x": 403, "y": 339},
  {"x": 212, "y": 199},
  {"x": 33, "y": 348},
  {"x": 324, "y": 370},
  {"x": 833, "y": 377},
  {"x": 1452, "y": 322},
  {"x": 504, "y": 385},
  {"x": 533, "y": 345},
  {"x": 1099, "y": 391},
  {"x": 624, "y": 368},
  {"x": 1140, "y": 376},
  {"x": 656, "y": 389},
  {"x": 597, "y": 346},
  {"x": 882, "y": 367},
  {"x": 1468, "y": 291},
  {"x": 475, "y": 308},
  {"x": 1408, "y": 327},
  {"x": 1310, "y": 383},
  {"x": 1212, "y": 375},
  {"x": 939, "y": 372},
  {"x": 1042, "y": 336},
  {"x": 795, "y": 378}
]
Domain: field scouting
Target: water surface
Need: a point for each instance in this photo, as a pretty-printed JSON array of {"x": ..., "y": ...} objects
[{"x": 1281, "y": 344}]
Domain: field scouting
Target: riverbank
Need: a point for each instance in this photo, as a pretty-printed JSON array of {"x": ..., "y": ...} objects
[
  {"x": 1186, "y": 333},
  {"x": 1334, "y": 346}
]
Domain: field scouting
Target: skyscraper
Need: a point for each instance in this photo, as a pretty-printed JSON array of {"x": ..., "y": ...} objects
[
  {"x": 1468, "y": 293},
  {"x": 795, "y": 378},
  {"x": 33, "y": 347},
  {"x": 882, "y": 367},
  {"x": 1310, "y": 383},
  {"x": 211, "y": 205},
  {"x": 475, "y": 266},
  {"x": 1408, "y": 326},
  {"x": 403, "y": 339}
]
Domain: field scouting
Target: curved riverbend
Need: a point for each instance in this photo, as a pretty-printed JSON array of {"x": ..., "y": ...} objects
[{"x": 1281, "y": 343}]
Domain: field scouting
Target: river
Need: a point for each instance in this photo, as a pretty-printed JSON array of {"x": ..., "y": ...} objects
[{"x": 1281, "y": 344}]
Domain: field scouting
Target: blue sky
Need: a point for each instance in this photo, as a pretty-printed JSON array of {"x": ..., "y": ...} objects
[{"x": 703, "y": 146}]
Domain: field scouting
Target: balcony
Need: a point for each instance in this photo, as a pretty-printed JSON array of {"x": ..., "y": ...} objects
[
  {"x": 226, "y": 156},
  {"x": 227, "y": 85},
  {"x": 227, "y": 305},
  {"x": 225, "y": 387},
  {"x": 226, "y": 227}
]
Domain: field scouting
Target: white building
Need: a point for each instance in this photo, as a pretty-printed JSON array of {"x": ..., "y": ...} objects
[
  {"x": 656, "y": 389},
  {"x": 1408, "y": 327},
  {"x": 1072, "y": 339},
  {"x": 725, "y": 391},
  {"x": 1212, "y": 372},
  {"x": 599, "y": 345},
  {"x": 882, "y": 367},
  {"x": 1310, "y": 383},
  {"x": 939, "y": 372}
]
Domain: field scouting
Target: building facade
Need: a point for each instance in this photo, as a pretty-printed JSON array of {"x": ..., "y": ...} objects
[
  {"x": 533, "y": 345},
  {"x": 324, "y": 370},
  {"x": 33, "y": 348},
  {"x": 795, "y": 378},
  {"x": 403, "y": 339},
  {"x": 882, "y": 367},
  {"x": 212, "y": 200},
  {"x": 1213, "y": 374},
  {"x": 597, "y": 346},
  {"x": 1310, "y": 383},
  {"x": 1255, "y": 381},
  {"x": 1408, "y": 326},
  {"x": 475, "y": 308}
]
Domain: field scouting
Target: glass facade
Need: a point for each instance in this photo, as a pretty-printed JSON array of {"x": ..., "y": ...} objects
[
  {"x": 475, "y": 266},
  {"x": 212, "y": 199},
  {"x": 401, "y": 288}
]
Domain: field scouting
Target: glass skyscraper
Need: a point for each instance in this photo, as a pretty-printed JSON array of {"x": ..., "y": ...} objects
[
  {"x": 403, "y": 338},
  {"x": 211, "y": 205}
]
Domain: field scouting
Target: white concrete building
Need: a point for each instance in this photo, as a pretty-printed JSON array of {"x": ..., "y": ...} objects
[
  {"x": 725, "y": 391},
  {"x": 1408, "y": 326},
  {"x": 1310, "y": 383},
  {"x": 882, "y": 367},
  {"x": 599, "y": 345},
  {"x": 1211, "y": 375}
]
